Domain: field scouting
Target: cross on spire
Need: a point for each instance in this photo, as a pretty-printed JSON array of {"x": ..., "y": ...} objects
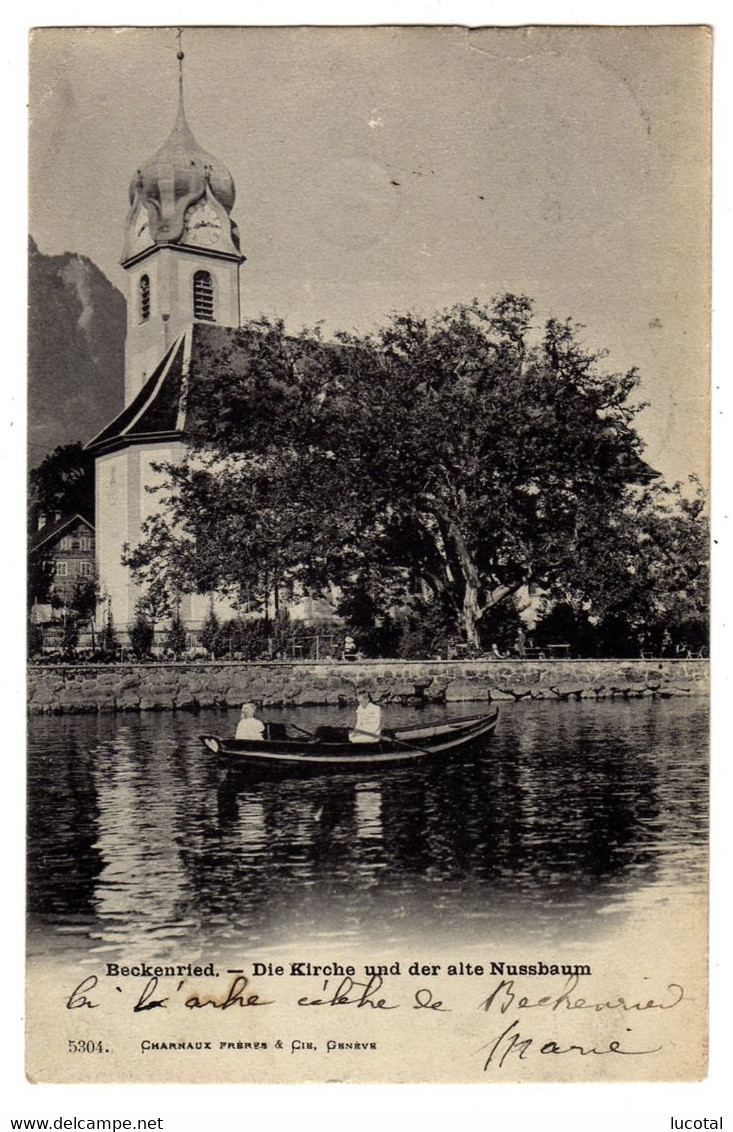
[{"x": 180, "y": 57}]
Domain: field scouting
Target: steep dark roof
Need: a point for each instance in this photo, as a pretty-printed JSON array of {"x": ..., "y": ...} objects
[
  {"x": 159, "y": 410},
  {"x": 56, "y": 530},
  {"x": 156, "y": 411}
]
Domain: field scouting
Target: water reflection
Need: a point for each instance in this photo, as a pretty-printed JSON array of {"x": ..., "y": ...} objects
[{"x": 571, "y": 812}]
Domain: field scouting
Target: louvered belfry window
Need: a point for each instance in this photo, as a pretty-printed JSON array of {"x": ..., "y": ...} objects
[
  {"x": 144, "y": 298},
  {"x": 203, "y": 296}
]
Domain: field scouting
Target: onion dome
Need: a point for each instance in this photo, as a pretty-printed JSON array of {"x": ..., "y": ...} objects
[{"x": 182, "y": 195}]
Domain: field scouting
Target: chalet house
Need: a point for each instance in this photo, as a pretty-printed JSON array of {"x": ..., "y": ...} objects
[{"x": 68, "y": 545}]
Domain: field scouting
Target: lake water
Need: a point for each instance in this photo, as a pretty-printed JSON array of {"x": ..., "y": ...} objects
[{"x": 574, "y": 818}]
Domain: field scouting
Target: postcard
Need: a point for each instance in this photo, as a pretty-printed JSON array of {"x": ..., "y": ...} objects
[{"x": 368, "y": 556}]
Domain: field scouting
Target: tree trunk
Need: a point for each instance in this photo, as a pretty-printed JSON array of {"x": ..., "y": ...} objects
[
  {"x": 471, "y": 610},
  {"x": 471, "y": 613}
]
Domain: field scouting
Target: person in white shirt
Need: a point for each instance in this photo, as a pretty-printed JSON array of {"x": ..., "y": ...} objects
[
  {"x": 249, "y": 727},
  {"x": 368, "y": 725}
]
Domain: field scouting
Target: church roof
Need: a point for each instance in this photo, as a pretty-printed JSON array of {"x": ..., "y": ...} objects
[{"x": 158, "y": 412}]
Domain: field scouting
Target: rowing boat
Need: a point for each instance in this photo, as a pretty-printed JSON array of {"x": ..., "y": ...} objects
[{"x": 330, "y": 747}]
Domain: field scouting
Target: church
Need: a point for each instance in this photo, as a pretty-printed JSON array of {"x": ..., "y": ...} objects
[{"x": 182, "y": 259}]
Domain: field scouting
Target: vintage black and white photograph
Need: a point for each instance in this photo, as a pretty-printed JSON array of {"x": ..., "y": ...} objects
[{"x": 368, "y": 537}]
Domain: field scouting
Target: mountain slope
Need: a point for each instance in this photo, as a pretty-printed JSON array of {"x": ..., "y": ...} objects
[{"x": 76, "y": 338}]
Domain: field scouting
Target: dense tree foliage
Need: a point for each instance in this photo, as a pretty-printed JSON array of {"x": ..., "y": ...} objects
[
  {"x": 39, "y": 578},
  {"x": 440, "y": 464},
  {"x": 63, "y": 483},
  {"x": 643, "y": 584}
]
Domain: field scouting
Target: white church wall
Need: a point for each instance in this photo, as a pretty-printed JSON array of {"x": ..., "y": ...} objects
[
  {"x": 113, "y": 522},
  {"x": 123, "y": 504}
]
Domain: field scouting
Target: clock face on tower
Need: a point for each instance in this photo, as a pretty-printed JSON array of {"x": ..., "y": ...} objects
[
  {"x": 202, "y": 226},
  {"x": 141, "y": 229}
]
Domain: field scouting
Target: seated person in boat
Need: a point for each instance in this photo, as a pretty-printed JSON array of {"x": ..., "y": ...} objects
[
  {"x": 368, "y": 725},
  {"x": 249, "y": 727}
]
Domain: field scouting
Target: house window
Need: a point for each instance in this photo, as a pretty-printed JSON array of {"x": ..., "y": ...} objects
[
  {"x": 65, "y": 543},
  {"x": 61, "y": 569},
  {"x": 87, "y": 543},
  {"x": 144, "y": 298},
  {"x": 86, "y": 569},
  {"x": 203, "y": 296}
]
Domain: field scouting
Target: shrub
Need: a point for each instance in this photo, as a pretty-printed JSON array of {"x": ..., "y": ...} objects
[
  {"x": 109, "y": 645},
  {"x": 499, "y": 626},
  {"x": 35, "y": 640},
  {"x": 211, "y": 637},
  {"x": 142, "y": 635},
  {"x": 244, "y": 640},
  {"x": 175, "y": 638},
  {"x": 426, "y": 631},
  {"x": 70, "y": 637}
]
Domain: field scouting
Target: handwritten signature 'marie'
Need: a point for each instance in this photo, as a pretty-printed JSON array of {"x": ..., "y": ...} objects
[{"x": 510, "y": 1041}]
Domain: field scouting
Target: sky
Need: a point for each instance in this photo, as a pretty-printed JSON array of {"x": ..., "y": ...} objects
[{"x": 392, "y": 169}]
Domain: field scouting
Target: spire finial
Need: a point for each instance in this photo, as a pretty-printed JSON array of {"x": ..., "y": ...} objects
[{"x": 180, "y": 57}]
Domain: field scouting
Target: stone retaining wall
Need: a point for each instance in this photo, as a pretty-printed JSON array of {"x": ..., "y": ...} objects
[{"x": 161, "y": 687}]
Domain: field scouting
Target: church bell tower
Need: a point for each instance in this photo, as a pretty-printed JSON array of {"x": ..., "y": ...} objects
[
  {"x": 181, "y": 250},
  {"x": 182, "y": 259}
]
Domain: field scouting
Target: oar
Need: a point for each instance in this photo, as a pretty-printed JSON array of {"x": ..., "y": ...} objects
[{"x": 392, "y": 739}]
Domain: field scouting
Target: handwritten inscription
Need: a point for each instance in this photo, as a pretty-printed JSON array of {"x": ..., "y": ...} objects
[
  {"x": 505, "y": 997},
  {"x": 150, "y": 999},
  {"x": 502, "y": 998},
  {"x": 349, "y": 992},
  {"x": 509, "y": 1044}
]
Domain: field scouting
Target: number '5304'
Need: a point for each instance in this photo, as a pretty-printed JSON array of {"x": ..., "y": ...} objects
[{"x": 85, "y": 1046}]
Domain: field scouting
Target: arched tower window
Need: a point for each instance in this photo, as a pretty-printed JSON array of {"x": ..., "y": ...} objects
[
  {"x": 144, "y": 298},
  {"x": 203, "y": 296}
]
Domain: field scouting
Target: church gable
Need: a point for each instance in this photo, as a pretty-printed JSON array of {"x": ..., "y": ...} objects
[{"x": 156, "y": 410}]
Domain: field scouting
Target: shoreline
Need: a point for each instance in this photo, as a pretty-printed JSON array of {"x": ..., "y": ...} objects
[{"x": 194, "y": 685}]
